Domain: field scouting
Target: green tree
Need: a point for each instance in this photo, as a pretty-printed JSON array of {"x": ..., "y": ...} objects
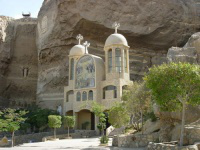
[
  {"x": 3, "y": 123},
  {"x": 118, "y": 115},
  {"x": 137, "y": 100},
  {"x": 12, "y": 119},
  {"x": 69, "y": 122},
  {"x": 54, "y": 121},
  {"x": 38, "y": 117},
  {"x": 174, "y": 86},
  {"x": 98, "y": 110}
]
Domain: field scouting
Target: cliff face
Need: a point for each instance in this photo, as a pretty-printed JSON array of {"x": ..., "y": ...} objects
[
  {"x": 18, "y": 62},
  {"x": 151, "y": 27}
]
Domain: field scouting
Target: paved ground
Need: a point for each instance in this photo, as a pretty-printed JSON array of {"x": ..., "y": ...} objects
[{"x": 68, "y": 144}]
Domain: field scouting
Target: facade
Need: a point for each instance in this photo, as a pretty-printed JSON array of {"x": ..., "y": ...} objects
[{"x": 92, "y": 79}]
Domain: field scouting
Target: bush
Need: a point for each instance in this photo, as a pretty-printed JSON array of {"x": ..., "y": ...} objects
[
  {"x": 104, "y": 139},
  {"x": 38, "y": 118}
]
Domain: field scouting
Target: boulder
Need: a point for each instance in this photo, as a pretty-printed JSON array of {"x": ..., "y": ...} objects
[{"x": 150, "y": 127}]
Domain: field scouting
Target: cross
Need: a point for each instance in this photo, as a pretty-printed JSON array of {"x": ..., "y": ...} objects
[
  {"x": 116, "y": 26},
  {"x": 86, "y": 44},
  {"x": 79, "y": 38}
]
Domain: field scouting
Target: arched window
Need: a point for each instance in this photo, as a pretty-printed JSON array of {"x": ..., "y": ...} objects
[
  {"x": 84, "y": 96},
  {"x": 118, "y": 59},
  {"x": 125, "y": 61},
  {"x": 110, "y": 87},
  {"x": 90, "y": 95},
  {"x": 110, "y": 60},
  {"x": 72, "y": 69},
  {"x": 69, "y": 93},
  {"x": 78, "y": 96}
]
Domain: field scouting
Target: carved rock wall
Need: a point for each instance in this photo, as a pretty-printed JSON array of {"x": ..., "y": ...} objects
[{"x": 18, "y": 62}]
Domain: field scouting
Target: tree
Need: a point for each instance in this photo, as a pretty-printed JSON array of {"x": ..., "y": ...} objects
[
  {"x": 38, "y": 117},
  {"x": 69, "y": 122},
  {"x": 3, "y": 123},
  {"x": 174, "y": 86},
  {"x": 98, "y": 110},
  {"x": 118, "y": 115},
  {"x": 54, "y": 121},
  {"x": 137, "y": 99},
  {"x": 12, "y": 119}
]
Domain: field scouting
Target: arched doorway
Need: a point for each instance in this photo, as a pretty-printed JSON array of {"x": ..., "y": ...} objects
[{"x": 85, "y": 120}]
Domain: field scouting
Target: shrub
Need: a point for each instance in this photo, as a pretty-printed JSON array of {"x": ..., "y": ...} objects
[{"x": 104, "y": 139}]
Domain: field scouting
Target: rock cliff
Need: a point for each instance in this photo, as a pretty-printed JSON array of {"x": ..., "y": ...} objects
[
  {"x": 150, "y": 26},
  {"x": 18, "y": 61}
]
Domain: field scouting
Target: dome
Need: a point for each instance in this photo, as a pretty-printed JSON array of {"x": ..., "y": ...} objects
[
  {"x": 77, "y": 50},
  {"x": 116, "y": 39}
]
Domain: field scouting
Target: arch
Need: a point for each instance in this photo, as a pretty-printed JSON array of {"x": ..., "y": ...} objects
[
  {"x": 84, "y": 96},
  {"x": 118, "y": 60},
  {"x": 69, "y": 93},
  {"x": 90, "y": 95},
  {"x": 110, "y": 60},
  {"x": 85, "y": 120},
  {"x": 108, "y": 88},
  {"x": 85, "y": 72},
  {"x": 78, "y": 96},
  {"x": 72, "y": 69}
]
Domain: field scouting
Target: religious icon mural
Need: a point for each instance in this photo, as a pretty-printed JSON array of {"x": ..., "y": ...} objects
[{"x": 85, "y": 72}]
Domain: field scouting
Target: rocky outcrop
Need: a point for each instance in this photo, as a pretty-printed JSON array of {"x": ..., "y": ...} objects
[
  {"x": 170, "y": 121},
  {"x": 18, "y": 62},
  {"x": 151, "y": 27},
  {"x": 189, "y": 53}
]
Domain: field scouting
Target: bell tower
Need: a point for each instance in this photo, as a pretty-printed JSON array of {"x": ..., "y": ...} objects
[{"x": 117, "y": 56}]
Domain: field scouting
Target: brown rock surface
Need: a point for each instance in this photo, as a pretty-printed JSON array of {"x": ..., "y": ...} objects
[
  {"x": 18, "y": 62},
  {"x": 151, "y": 27}
]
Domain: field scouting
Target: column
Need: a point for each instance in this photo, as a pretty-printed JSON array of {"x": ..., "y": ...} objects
[
  {"x": 113, "y": 60},
  {"x": 106, "y": 61},
  {"x": 122, "y": 63},
  {"x": 127, "y": 53},
  {"x": 69, "y": 69}
]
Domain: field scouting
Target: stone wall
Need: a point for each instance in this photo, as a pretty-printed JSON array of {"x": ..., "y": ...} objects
[
  {"x": 134, "y": 141},
  {"x": 39, "y": 137},
  {"x": 163, "y": 146}
]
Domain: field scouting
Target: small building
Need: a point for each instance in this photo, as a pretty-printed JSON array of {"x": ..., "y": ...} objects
[{"x": 93, "y": 79}]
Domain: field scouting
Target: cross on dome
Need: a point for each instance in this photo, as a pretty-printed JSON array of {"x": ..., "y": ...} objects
[
  {"x": 79, "y": 38},
  {"x": 116, "y": 26},
  {"x": 86, "y": 44}
]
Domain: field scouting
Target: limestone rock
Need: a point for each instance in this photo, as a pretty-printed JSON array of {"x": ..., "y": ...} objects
[
  {"x": 151, "y": 27},
  {"x": 150, "y": 127},
  {"x": 192, "y": 114},
  {"x": 18, "y": 62},
  {"x": 186, "y": 54}
]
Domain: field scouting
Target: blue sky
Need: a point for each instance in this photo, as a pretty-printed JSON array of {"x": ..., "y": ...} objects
[{"x": 14, "y": 8}]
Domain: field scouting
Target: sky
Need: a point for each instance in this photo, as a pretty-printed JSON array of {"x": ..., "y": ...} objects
[{"x": 14, "y": 8}]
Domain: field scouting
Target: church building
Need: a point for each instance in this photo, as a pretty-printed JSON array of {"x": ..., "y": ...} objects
[{"x": 93, "y": 79}]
